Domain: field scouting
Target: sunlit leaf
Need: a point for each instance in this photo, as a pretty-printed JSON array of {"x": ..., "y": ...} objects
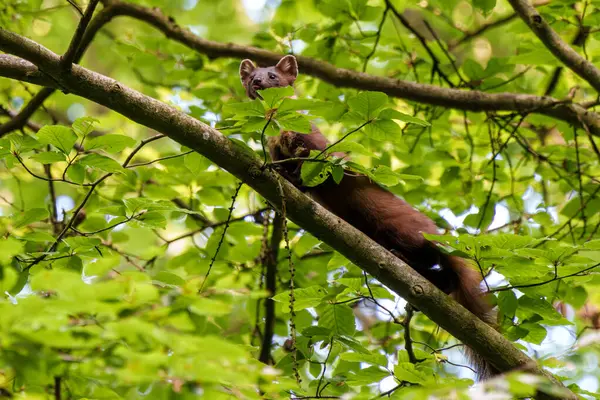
[{"x": 61, "y": 137}]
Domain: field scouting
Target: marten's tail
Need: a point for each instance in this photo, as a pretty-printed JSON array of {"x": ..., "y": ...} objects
[{"x": 470, "y": 295}]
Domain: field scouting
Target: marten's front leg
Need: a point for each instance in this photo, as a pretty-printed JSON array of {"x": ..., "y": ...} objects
[{"x": 282, "y": 148}]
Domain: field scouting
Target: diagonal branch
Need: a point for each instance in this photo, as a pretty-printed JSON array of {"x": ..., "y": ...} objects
[
  {"x": 76, "y": 42},
  {"x": 481, "y": 30},
  {"x": 21, "y": 119},
  {"x": 553, "y": 42},
  {"x": 247, "y": 167}
]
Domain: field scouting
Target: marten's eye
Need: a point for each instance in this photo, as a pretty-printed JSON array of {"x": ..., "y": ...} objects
[{"x": 272, "y": 76}]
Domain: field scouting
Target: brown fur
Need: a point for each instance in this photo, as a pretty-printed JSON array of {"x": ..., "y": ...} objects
[{"x": 378, "y": 213}]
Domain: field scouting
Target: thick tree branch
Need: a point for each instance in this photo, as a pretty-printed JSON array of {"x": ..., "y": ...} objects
[
  {"x": 553, "y": 42},
  {"x": 246, "y": 166},
  {"x": 429, "y": 94}
]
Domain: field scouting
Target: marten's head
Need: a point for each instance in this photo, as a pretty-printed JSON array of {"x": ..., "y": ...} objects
[{"x": 256, "y": 78}]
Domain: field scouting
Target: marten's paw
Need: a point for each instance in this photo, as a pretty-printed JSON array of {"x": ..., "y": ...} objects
[
  {"x": 287, "y": 145},
  {"x": 293, "y": 145}
]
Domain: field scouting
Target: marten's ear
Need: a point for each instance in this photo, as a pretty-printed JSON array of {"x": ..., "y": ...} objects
[
  {"x": 246, "y": 68},
  {"x": 288, "y": 66}
]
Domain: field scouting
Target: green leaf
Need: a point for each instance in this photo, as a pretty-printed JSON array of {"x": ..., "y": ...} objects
[
  {"x": 385, "y": 176},
  {"x": 339, "y": 318},
  {"x": 473, "y": 69},
  {"x": 8, "y": 278},
  {"x": 353, "y": 148},
  {"x": 38, "y": 236},
  {"x": 368, "y": 104},
  {"x": 9, "y": 247},
  {"x": 529, "y": 306},
  {"x": 48, "y": 157},
  {"x": 316, "y": 331},
  {"x": 508, "y": 302},
  {"x": 486, "y": 6},
  {"x": 152, "y": 219},
  {"x": 273, "y": 96},
  {"x": 84, "y": 126},
  {"x": 384, "y": 130},
  {"x": 212, "y": 307},
  {"x": 61, "y": 137},
  {"x": 110, "y": 143},
  {"x": 246, "y": 109},
  {"x": 366, "y": 376},
  {"x": 541, "y": 57},
  {"x": 82, "y": 243},
  {"x": 289, "y": 105},
  {"x": 314, "y": 173},
  {"x": 295, "y": 123},
  {"x": 311, "y": 296},
  {"x": 377, "y": 359},
  {"x": 195, "y": 163},
  {"x": 390, "y": 113},
  {"x": 337, "y": 173},
  {"x": 30, "y": 216},
  {"x": 535, "y": 332},
  {"x": 406, "y": 371},
  {"x": 21, "y": 143},
  {"x": 101, "y": 162},
  {"x": 352, "y": 344},
  {"x": 136, "y": 205},
  {"x": 576, "y": 296},
  {"x": 76, "y": 172}
]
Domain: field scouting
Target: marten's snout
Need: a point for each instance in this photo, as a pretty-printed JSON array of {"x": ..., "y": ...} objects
[{"x": 257, "y": 83}]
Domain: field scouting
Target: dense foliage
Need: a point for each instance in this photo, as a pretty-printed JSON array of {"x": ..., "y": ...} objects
[{"x": 132, "y": 267}]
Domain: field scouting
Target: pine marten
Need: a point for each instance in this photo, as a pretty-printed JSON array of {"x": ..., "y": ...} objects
[{"x": 378, "y": 213}]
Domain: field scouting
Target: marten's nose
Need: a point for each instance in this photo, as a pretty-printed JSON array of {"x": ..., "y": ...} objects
[{"x": 256, "y": 81}]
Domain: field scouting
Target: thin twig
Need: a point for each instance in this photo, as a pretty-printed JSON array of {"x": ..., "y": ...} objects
[
  {"x": 161, "y": 159},
  {"x": 52, "y": 193},
  {"x": 377, "y": 37},
  {"x": 76, "y": 7},
  {"x": 318, "y": 393},
  {"x": 556, "y": 278},
  {"x": 222, "y": 238},
  {"x": 108, "y": 228},
  {"x": 407, "y": 25},
  {"x": 482, "y": 29},
  {"x": 69, "y": 57},
  {"x": 343, "y": 137}
]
